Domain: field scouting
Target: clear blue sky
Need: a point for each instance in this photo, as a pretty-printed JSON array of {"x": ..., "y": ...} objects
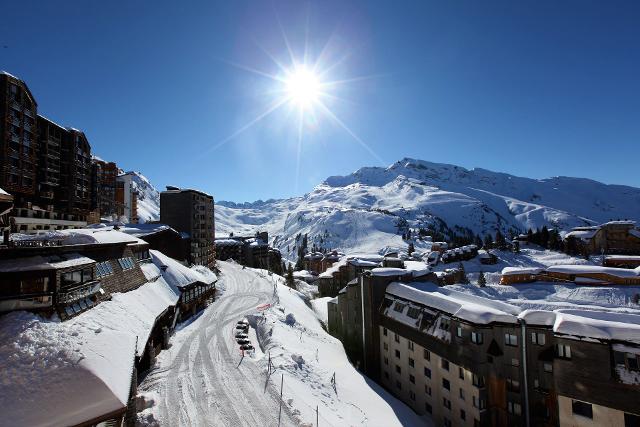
[{"x": 531, "y": 88}]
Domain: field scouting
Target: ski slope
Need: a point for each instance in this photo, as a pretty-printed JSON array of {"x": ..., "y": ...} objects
[{"x": 202, "y": 380}]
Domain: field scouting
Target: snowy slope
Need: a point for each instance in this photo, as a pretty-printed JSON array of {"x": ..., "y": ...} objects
[
  {"x": 148, "y": 198},
  {"x": 360, "y": 211}
]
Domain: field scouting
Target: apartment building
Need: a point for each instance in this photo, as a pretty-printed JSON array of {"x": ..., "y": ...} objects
[
  {"x": 191, "y": 212},
  {"x": 469, "y": 361},
  {"x": 44, "y": 166},
  {"x": 103, "y": 189},
  {"x": 18, "y": 137},
  {"x": 126, "y": 198},
  {"x": 613, "y": 237}
]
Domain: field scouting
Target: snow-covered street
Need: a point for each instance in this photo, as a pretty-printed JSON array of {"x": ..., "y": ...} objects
[{"x": 202, "y": 379}]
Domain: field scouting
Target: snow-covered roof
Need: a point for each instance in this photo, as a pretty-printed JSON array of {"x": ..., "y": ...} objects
[
  {"x": 362, "y": 263},
  {"x": 507, "y": 271},
  {"x": 62, "y": 373},
  {"x": 598, "y": 324},
  {"x": 82, "y": 236},
  {"x": 623, "y": 257},
  {"x": 389, "y": 271},
  {"x": 180, "y": 275},
  {"x": 417, "y": 268},
  {"x": 228, "y": 242},
  {"x": 304, "y": 275},
  {"x": 585, "y": 269},
  {"x": 458, "y": 304},
  {"x": 43, "y": 262},
  {"x": 582, "y": 234}
]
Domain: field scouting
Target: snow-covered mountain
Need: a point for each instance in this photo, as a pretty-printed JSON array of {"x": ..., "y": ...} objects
[
  {"x": 365, "y": 210},
  {"x": 148, "y": 198}
]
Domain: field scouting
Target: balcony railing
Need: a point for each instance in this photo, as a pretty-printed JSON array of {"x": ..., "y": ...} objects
[{"x": 84, "y": 291}]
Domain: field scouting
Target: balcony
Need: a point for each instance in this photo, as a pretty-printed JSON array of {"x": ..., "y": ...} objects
[
  {"x": 86, "y": 290},
  {"x": 25, "y": 302},
  {"x": 46, "y": 194}
]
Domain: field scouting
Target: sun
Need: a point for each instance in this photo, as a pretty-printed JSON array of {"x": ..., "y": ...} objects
[{"x": 303, "y": 87}]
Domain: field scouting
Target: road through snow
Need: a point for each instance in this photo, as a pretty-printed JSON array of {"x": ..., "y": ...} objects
[{"x": 202, "y": 380}]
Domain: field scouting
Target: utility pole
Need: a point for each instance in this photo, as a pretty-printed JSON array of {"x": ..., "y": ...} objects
[{"x": 317, "y": 415}]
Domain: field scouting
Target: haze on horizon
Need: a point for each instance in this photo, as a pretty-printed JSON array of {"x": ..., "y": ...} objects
[{"x": 187, "y": 96}]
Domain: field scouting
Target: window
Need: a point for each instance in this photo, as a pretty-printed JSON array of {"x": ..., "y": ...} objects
[
  {"x": 427, "y": 354},
  {"x": 514, "y": 408},
  {"x": 476, "y": 337},
  {"x": 445, "y": 323},
  {"x": 398, "y": 370},
  {"x": 412, "y": 395},
  {"x": 563, "y": 351},
  {"x": 398, "y": 354},
  {"x": 428, "y": 408},
  {"x": 548, "y": 367},
  {"x": 461, "y": 394},
  {"x": 631, "y": 420},
  {"x": 536, "y": 383},
  {"x": 459, "y": 331},
  {"x": 396, "y": 337},
  {"x": 412, "y": 379},
  {"x": 477, "y": 380},
  {"x": 446, "y": 403},
  {"x": 398, "y": 385},
  {"x": 427, "y": 389},
  {"x": 386, "y": 374},
  {"x": 413, "y": 312},
  {"x": 513, "y": 385},
  {"x": 538, "y": 338},
  {"x": 582, "y": 408},
  {"x": 427, "y": 372},
  {"x": 478, "y": 403},
  {"x": 515, "y": 362},
  {"x": 461, "y": 373},
  {"x": 386, "y": 346},
  {"x": 384, "y": 331},
  {"x": 104, "y": 269},
  {"x": 446, "y": 384},
  {"x": 447, "y": 422},
  {"x": 386, "y": 360},
  {"x": 399, "y": 307},
  {"x": 463, "y": 415},
  {"x": 410, "y": 345},
  {"x": 444, "y": 363},
  {"x": 412, "y": 363},
  {"x": 511, "y": 339}
]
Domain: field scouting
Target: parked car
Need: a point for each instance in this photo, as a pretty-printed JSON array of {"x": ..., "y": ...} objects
[
  {"x": 243, "y": 322},
  {"x": 243, "y": 341},
  {"x": 246, "y": 347},
  {"x": 242, "y": 326},
  {"x": 241, "y": 335}
]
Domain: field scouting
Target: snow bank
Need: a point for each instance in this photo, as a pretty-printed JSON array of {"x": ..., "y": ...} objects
[
  {"x": 309, "y": 357},
  {"x": 61, "y": 373}
]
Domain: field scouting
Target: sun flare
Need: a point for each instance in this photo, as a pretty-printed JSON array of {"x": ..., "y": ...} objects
[{"x": 303, "y": 87}]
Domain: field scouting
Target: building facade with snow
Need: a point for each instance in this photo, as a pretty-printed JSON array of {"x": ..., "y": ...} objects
[
  {"x": 253, "y": 251},
  {"x": 614, "y": 237},
  {"x": 191, "y": 212},
  {"x": 103, "y": 190},
  {"x": 586, "y": 275},
  {"x": 72, "y": 273},
  {"x": 470, "y": 361}
]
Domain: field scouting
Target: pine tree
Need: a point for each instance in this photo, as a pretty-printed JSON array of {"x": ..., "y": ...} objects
[
  {"x": 636, "y": 299},
  {"x": 482, "y": 281},
  {"x": 290, "y": 281},
  {"x": 411, "y": 248},
  {"x": 516, "y": 246},
  {"x": 463, "y": 277},
  {"x": 544, "y": 237},
  {"x": 488, "y": 242},
  {"x": 501, "y": 242}
]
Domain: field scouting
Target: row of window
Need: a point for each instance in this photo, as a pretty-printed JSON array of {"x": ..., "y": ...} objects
[
  {"x": 104, "y": 269},
  {"x": 126, "y": 263}
]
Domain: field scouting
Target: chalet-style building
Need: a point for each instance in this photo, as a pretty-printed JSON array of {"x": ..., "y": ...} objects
[
  {"x": 191, "y": 211},
  {"x": 347, "y": 269},
  {"x": 469, "y": 361},
  {"x": 72, "y": 273},
  {"x": 614, "y": 237},
  {"x": 463, "y": 253},
  {"x": 622, "y": 261},
  {"x": 588, "y": 275},
  {"x": 487, "y": 257}
]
